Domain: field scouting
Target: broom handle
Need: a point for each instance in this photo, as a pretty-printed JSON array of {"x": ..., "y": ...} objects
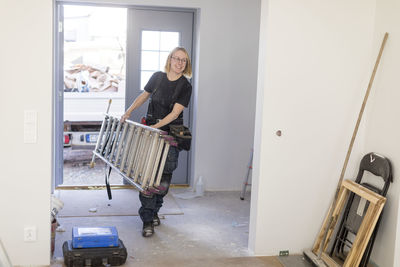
[
  {"x": 371, "y": 80},
  {"x": 362, "y": 109}
]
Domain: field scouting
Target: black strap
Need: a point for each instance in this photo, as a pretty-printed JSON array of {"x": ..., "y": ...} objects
[{"x": 107, "y": 178}]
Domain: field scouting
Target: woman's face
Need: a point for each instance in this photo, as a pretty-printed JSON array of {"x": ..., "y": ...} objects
[{"x": 178, "y": 62}]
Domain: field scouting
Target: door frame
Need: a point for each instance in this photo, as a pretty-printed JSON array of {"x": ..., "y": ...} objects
[{"x": 58, "y": 98}]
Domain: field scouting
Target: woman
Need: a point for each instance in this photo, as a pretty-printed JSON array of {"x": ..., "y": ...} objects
[{"x": 169, "y": 94}]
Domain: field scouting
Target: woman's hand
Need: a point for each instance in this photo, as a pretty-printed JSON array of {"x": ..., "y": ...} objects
[
  {"x": 137, "y": 103},
  {"x": 176, "y": 110},
  {"x": 125, "y": 117}
]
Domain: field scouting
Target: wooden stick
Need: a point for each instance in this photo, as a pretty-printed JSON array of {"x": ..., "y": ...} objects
[
  {"x": 109, "y": 104},
  {"x": 362, "y": 109},
  {"x": 371, "y": 80}
]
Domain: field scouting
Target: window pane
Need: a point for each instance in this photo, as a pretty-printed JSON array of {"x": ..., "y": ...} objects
[
  {"x": 150, "y": 60},
  {"x": 169, "y": 40},
  {"x": 156, "y": 46},
  {"x": 150, "y": 40},
  {"x": 163, "y": 59},
  {"x": 144, "y": 78}
]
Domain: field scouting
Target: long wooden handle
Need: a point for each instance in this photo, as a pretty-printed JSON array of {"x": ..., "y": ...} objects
[
  {"x": 109, "y": 104},
  {"x": 371, "y": 80}
]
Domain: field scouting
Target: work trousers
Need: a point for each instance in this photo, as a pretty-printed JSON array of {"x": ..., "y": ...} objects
[{"x": 152, "y": 200}]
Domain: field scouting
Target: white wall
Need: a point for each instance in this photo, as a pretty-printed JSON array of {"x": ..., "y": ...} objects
[
  {"x": 314, "y": 66},
  {"x": 226, "y": 88},
  {"x": 383, "y": 129},
  {"x": 26, "y": 75}
]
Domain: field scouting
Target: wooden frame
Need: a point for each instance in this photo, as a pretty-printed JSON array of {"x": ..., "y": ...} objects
[{"x": 376, "y": 203}]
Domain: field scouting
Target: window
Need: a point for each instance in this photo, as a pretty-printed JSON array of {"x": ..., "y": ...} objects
[{"x": 156, "y": 46}]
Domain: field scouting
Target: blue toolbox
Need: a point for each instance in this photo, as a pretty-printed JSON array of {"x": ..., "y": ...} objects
[{"x": 94, "y": 237}]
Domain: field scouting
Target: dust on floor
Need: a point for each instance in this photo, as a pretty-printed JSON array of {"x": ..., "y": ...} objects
[{"x": 77, "y": 169}]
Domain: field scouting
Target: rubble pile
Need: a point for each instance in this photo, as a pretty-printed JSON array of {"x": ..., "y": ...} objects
[{"x": 85, "y": 78}]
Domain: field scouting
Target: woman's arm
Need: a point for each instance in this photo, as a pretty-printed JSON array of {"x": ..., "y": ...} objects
[
  {"x": 176, "y": 110},
  {"x": 136, "y": 103}
]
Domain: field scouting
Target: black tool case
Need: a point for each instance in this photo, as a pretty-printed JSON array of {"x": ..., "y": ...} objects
[{"x": 106, "y": 256}]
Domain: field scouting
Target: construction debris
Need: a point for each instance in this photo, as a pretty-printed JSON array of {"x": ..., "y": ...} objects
[{"x": 84, "y": 78}]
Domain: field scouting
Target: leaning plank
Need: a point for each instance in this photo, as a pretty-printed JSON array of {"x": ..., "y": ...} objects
[
  {"x": 320, "y": 236},
  {"x": 342, "y": 196},
  {"x": 341, "y": 201}
]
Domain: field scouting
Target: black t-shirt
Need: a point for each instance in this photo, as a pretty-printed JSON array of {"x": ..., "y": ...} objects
[{"x": 164, "y": 97}]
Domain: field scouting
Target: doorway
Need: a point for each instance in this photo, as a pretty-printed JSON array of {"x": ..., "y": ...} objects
[
  {"x": 103, "y": 53},
  {"x": 152, "y": 36}
]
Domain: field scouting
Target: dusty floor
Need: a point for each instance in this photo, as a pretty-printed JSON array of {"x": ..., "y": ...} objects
[
  {"x": 211, "y": 230},
  {"x": 77, "y": 170}
]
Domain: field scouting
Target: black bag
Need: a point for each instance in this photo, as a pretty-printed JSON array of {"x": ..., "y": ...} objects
[
  {"x": 81, "y": 257},
  {"x": 182, "y": 135}
]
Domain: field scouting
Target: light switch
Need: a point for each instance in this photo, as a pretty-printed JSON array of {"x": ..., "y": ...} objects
[
  {"x": 30, "y": 126},
  {"x": 30, "y": 234}
]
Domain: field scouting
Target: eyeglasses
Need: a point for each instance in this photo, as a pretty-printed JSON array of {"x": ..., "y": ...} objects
[{"x": 181, "y": 60}]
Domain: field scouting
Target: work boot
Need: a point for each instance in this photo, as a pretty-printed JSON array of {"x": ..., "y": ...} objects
[
  {"x": 148, "y": 229},
  {"x": 156, "y": 220}
]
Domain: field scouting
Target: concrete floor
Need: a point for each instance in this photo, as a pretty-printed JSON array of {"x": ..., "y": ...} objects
[
  {"x": 212, "y": 231},
  {"x": 76, "y": 169}
]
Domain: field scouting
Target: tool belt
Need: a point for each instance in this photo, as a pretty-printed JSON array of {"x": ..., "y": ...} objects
[{"x": 182, "y": 135}]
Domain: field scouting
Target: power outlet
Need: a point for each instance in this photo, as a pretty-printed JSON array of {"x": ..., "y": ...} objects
[
  {"x": 284, "y": 253},
  {"x": 30, "y": 126},
  {"x": 30, "y": 234}
]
